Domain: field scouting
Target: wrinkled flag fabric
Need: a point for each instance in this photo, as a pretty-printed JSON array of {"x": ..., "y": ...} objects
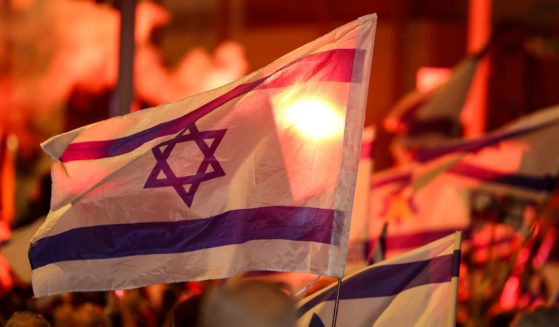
[
  {"x": 415, "y": 289},
  {"x": 256, "y": 175}
]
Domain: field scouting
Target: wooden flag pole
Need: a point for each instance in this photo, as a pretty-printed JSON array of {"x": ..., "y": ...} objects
[
  {"x": 335, "y": 315},
  {"x": 124, "y": 95}
]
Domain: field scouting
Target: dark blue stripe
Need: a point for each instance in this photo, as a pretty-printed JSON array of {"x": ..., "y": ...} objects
[
  {"x": 448, "y": 127},
  {"x": 456, "y": 255},
  {"x": 534, "y": 183},
  {"x": 402, "y": 178},
  {"x": 389, "y": 280},
  {"x": 409, "y": 241},
  {"x": 423, "y": 155},
  {"x": 232, "y": 227}
]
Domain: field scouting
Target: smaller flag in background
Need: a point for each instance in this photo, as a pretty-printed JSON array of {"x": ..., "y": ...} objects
[
  {"x": 434, "y": 116},
  {"x": 415, "y": 218},
  {"x": 415, "y": 289},
  {"x": 515, "y": 160}
]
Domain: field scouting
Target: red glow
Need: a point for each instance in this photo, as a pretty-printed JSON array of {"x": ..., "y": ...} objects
[
  {"x": 479, "y": 29},
  {"x": 509, "y": 296},
  {"x": 6, "y": 281},
  {"x": 545, "y": 249},
  {"x": 194, "y": 288}
]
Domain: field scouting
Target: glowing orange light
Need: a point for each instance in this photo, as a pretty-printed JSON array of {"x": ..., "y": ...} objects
[
  {"x": 428, "y": 78},
  {"x": 314, "y": 118}
]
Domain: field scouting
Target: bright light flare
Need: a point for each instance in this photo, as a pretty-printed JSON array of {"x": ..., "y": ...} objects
[{"x": 314, "y": 118}]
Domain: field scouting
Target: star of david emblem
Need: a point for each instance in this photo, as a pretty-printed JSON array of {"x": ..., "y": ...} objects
[
  {"x": 163, "y": 175},
  {"x": 399, "y": 207}
]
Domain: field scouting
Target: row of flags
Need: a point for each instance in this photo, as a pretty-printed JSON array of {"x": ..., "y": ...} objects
[
  {"x": 430, "y": 197},
  {"x": 260, "y": 174}
]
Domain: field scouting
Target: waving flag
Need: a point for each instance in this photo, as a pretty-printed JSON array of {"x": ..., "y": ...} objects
[
  {"x": 434, "y": 116},
  {"x": 514, "y": 160},
  {"x": 415, "y": 289},
  {"x": 256, "y": 175},
  {"x": 415, "y": 218}
]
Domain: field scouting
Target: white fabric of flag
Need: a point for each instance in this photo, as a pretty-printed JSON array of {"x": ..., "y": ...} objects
[
  {"x": 256, "y": 175},
  {"x": 415, "y": 289},
  {"x": 359, "y": 230}
]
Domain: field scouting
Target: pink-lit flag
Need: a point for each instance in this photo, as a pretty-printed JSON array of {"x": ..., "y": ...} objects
[
  {"x": 514, "y": 160},
  {"x": 415, "y": 217},
  {"x": 359, "y": 230},
  {"x": 417, "y": 288},
  {"x": 256, "y": 175}
]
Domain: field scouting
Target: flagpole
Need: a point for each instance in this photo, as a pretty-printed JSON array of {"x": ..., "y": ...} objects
[
  {"x": 124, "y": 95},
  {"x": 454, "y": 280},
  {"x": 335, "y": 315}
]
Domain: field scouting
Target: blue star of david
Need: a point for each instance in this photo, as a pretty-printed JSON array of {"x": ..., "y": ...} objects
[
  {"x": 186, "y": 186},
  {"x": 397, "y": 197}
]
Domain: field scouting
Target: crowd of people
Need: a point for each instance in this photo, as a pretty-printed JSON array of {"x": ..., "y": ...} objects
[{"x": 235, "y": 302}]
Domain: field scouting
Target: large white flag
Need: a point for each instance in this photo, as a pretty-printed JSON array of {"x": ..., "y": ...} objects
[
  {"x": 415, "y": 289},
  {"x": 256, "y": 175}
]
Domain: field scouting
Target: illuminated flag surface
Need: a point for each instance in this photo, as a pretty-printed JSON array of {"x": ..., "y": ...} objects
[
  {"x": 415, "y": 289},
  {"x": 256, "y": 175}
]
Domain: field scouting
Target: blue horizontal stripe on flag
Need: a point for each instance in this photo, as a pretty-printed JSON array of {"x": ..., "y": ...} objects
[
  {"x": 445, "y": 126},
  {"x": 413, "y": 240},
  {"x": 534, "y": 183},
  {"x": 390, "y": 280},
  {"x": 400, "y": 178},
  {"x": 231, "y": 227},
  {"x": 424, "y": 155}
]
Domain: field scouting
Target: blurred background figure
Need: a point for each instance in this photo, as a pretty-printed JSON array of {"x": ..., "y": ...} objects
[
  {"x": 249, "y": 303},
  {"x": 54, "y": 79},
  {"x": 27, "y": 319},
  {"x": 543, "y": 316}
]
